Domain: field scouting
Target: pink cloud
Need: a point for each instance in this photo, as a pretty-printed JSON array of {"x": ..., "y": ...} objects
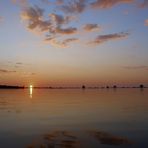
[
  {"x": 108, "y": 3},
  {"x": 146, "y": 22},
  {"x": 109, "y": 37}
]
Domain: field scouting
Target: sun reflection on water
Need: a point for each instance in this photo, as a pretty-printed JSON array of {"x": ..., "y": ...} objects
[{"x": 30, "y": 90}]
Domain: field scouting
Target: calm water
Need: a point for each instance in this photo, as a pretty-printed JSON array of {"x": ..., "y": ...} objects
[{"x": 74, "y": 118}]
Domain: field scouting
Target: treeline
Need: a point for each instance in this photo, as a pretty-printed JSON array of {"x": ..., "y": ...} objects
[
  {"x": 91, "y": 87},
  {"x": 11, "y": 87}
]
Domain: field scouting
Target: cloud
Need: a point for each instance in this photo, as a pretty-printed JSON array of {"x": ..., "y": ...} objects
[
  {"x": 19, "y": 63},
  {"x": 76, "y": 6},
  {"x": 103, "y": 4},
  {"x": 59, "y": 19},
  {"x": 91, "y": 27},
  {"x": 144, "y": 4},
  {"x": 22, "y": 3},
  {"x": 34, "y": 16},
  {"x": 70, "y": 30},
  {"x": 52, "y": 26},
  {"x": 142, "y": 67},
  {"x": 70, "y": 40},
  {"x": 59, "y": 2},
  {"x": 6, "y": 71},
  {"x": 54, "y": 42},
  {"x": 62, "y": 44},
  {"x": 146, "y": 22},
  {"x": 109, "y": 37},
  {"x": 28, "y": 73},
  {"x": 58, "y": 25},
  {"x": 47, "y": 2},
  {"x": 1, "y": 19},
  {"x": 126, "y": 12}
]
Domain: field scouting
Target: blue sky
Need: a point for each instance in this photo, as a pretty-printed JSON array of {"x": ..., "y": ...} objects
[{"x": 92, "y": 42}]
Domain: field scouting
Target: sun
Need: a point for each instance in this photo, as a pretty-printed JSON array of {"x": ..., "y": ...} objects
[{"x": 30, "y": 90}]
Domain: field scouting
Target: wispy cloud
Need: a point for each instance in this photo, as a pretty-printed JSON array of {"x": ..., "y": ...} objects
[
  {"x": 144, "y": 4},
  {"x": 76, "y": 6},
  {"x": 58, "y": 22},
  {"x": 7, "y": 71},
  {"x": 70, "y": 40},
  {"x": 28, "y": 73},
  {"x": 54, "y": 42},
  {"x": 22, "y": 3},
  {"x": 141, "y": 67},
  {"x": 109, "y": 37},
  {"x": 103, "y": 4},
  {"x": 70, "y": 30},
  {"x": 51, "y": 2},
  {"x": 1, "y": 19},
  {"x": 59, "y": 2},
  {"x": 91, "y": 27},
  {"x": 19, "y": 63},
  {"x": 47, "y": 2},
  {"x": 126, "y": 12},
  {"x": 59, "y": 19},
  {"x": 62, "y": 44},
  {"x": 146, "y": 22}
]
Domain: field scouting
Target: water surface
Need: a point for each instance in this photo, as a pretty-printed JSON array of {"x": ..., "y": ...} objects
[{"x": 74, "y": 118}]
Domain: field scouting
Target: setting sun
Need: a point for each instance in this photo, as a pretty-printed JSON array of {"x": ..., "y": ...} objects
[{"x": 31, "y": 90}]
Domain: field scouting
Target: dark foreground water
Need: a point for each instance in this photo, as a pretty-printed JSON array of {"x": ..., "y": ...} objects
[{"x": 43, "y": 118}]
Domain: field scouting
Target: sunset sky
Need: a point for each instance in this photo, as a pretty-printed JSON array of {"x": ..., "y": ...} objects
[{"x": 73, "y": 42}]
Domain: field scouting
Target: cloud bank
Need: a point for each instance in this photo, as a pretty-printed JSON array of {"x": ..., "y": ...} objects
[{"x": 142, "y": 67}]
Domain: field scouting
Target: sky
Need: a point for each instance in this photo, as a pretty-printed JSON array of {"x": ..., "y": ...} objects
[{"x": 73, "y": 42}]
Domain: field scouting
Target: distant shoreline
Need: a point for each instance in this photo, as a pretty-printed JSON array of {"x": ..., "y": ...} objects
[
  {"x": 11, "y": 87},
  {"x": 83, "y": 87}
]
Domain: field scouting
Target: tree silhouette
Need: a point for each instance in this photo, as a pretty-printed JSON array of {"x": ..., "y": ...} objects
[
  {"x": 141, "y": 86},
  {"x": 83, "y": 87},
  {"x": 114, "y": 86}
]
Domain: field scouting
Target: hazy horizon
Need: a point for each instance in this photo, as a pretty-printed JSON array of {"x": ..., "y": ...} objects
[{"x": 80, "y": 86}]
